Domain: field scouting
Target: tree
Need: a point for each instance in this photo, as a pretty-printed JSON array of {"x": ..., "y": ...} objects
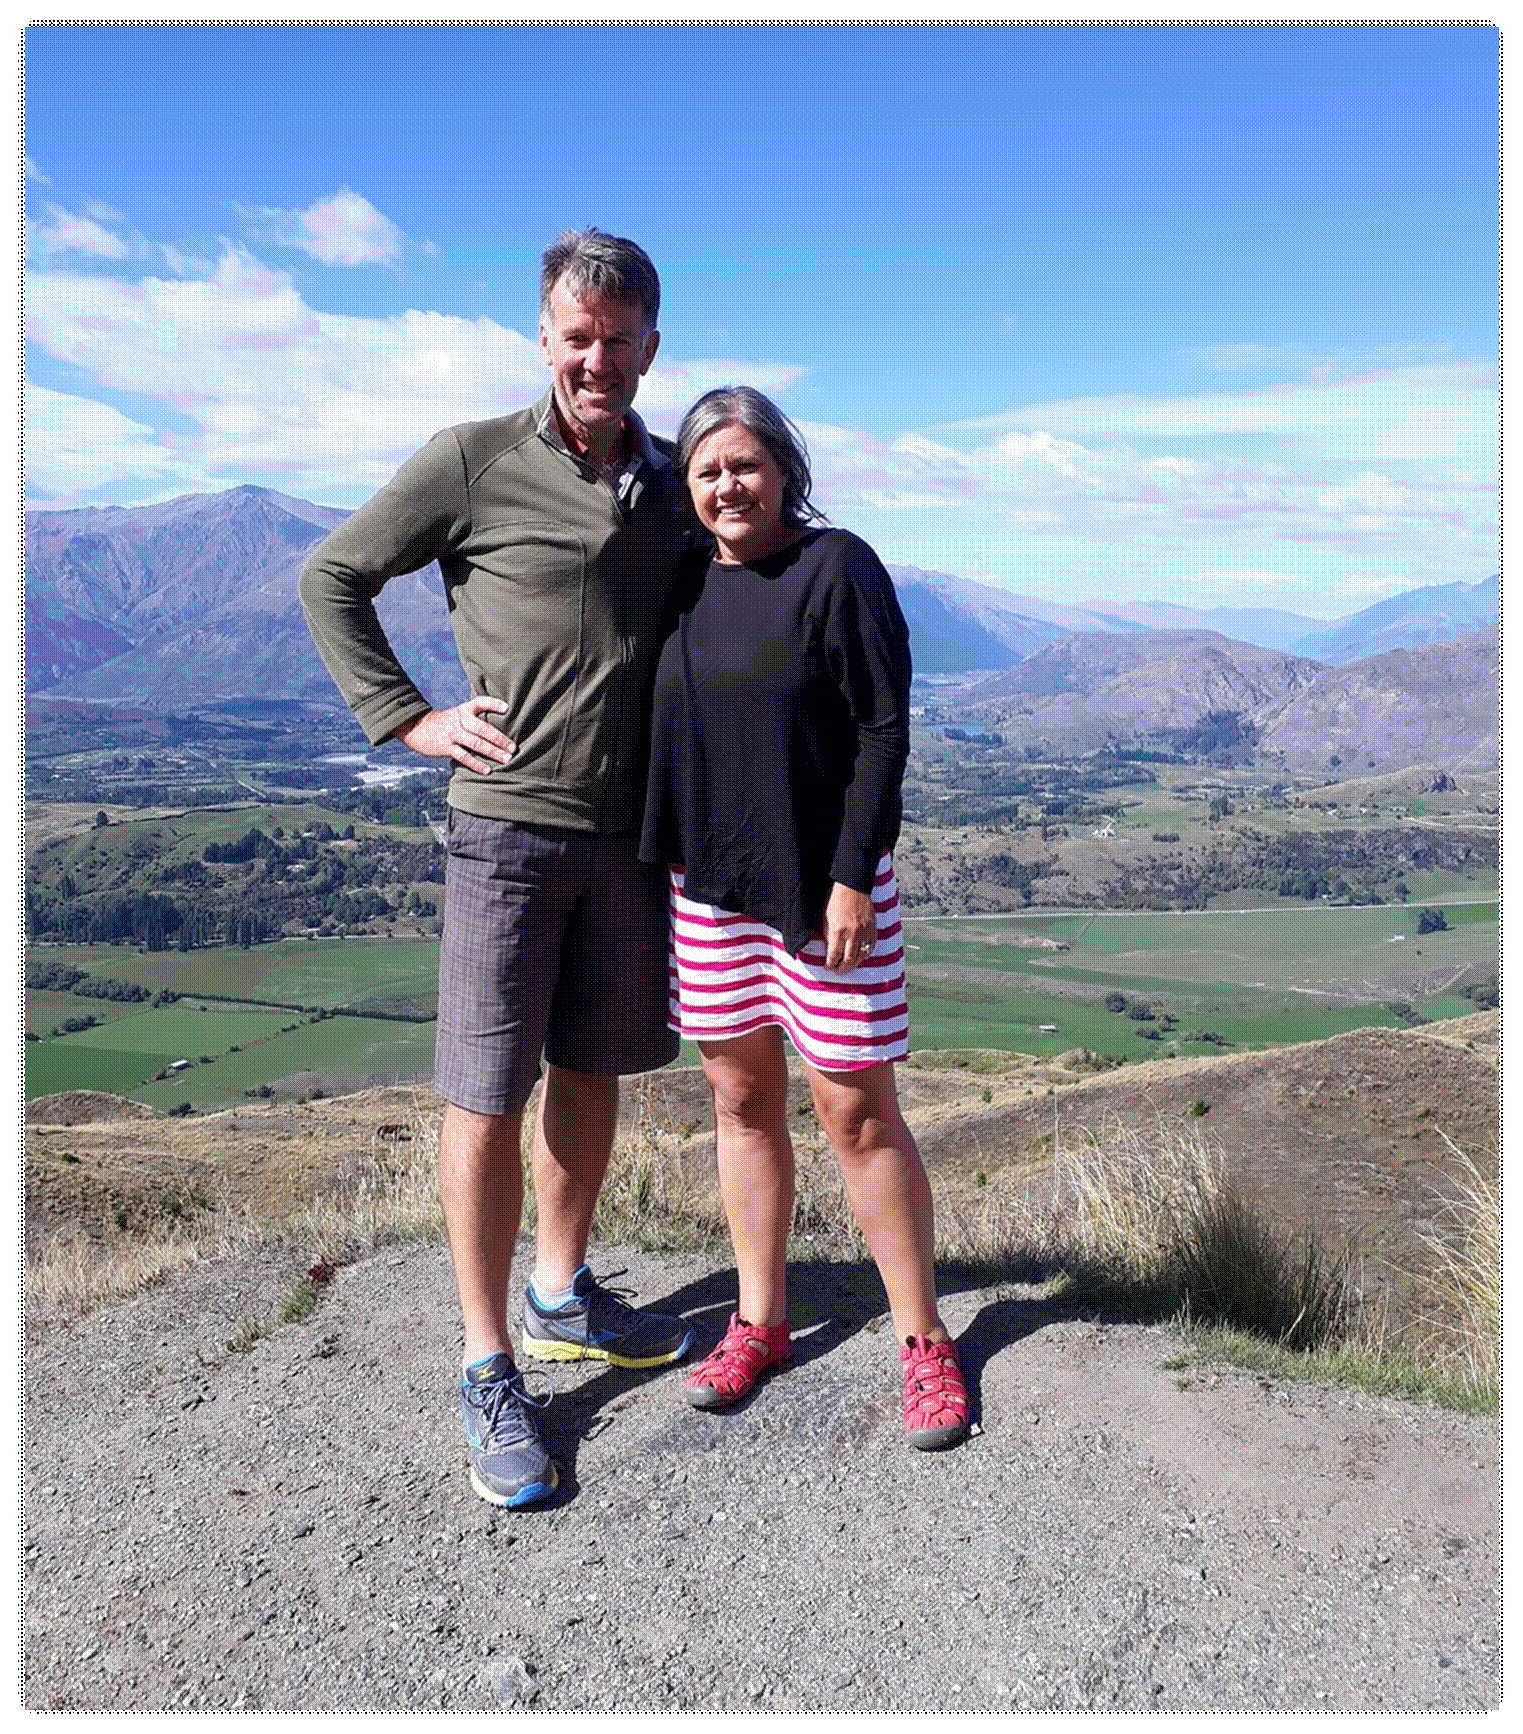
[{"x": 1431, "y": 921}]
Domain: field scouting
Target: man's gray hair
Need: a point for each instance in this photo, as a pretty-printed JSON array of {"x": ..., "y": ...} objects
[
  {"x": 590, "y": 261},
  {"x": 744, "y": 406}
]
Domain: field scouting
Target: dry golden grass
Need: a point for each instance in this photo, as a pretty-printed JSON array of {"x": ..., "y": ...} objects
[
  {"x": 1463, "y": 1332},
  {"x": 1146, "y": 1221},
  {"x": 71, "y": 1274},
  {"x": 70, "y": 1271}
]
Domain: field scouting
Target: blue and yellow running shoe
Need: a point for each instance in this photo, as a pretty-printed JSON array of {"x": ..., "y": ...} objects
[
  {"x": 509, "y": 1462},
  {"x": 597, "y": 1323}
]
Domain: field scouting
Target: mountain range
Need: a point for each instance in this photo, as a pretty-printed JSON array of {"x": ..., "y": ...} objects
[
  {"x": 969, "y": 625},
  {"x": 1429, "y": 704},
  {"x": 194, "y": 600}
]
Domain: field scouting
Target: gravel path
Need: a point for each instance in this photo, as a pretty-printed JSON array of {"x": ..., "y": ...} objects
[{"x": 288, "y": 1526}]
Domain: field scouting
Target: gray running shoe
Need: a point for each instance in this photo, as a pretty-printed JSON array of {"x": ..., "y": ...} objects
[
  {"x": 509, "y": 1463},
  {"x": 597, "y": 1323}
]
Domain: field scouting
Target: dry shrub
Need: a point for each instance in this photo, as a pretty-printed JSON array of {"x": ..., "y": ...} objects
[
  {"x": 70, "y": 1273},
  {"x": 393, "y": 1198},
  {"x": 1154, "y": 1223}
]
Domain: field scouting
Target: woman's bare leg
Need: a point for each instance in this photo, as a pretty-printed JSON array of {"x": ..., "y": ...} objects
[
  {"x": 749, "y": 1078},
  {"x": 888, "y": 1189}
]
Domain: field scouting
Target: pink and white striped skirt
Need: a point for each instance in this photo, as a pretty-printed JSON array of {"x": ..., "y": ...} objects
[{"x": 730, "y": 975}]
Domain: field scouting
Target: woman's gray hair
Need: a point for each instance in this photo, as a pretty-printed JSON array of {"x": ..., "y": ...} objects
[
  {"x": 608, "y": 265},
  {"x": 744, "y": 406}
]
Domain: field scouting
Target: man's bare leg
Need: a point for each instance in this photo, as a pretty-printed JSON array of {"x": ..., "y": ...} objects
[
  {"x": 573, "y": 1141},
  {"x": 481, "y": 1192}
]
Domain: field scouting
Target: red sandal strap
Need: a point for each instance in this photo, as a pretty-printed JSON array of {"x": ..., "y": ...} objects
[
  {"x": 741, "y": 1355},
  {"x": 935, "y": 1394}
]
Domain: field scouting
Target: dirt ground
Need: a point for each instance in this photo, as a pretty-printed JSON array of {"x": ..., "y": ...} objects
[
  {"x": 216, "y": 1523},
  {"x": 221, "y": 1519}
]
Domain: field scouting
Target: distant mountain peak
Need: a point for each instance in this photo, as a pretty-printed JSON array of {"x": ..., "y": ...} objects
[{"x": 115, "y": 596}]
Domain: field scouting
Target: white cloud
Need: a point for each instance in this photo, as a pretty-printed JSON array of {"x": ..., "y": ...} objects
[
  {"x": 62, "y": 232},
  {"x": 75, "y": 445},
  {"x": 671, "y": 386},
  {"x": 1323, "y": 593},
  {"x": 1432, "y": 413},
  {"x": 266, "y": 383},
  {"x": 342, "y": 229},
  {"x": 1063, "y": 481},
  {"x": 1038, "y": 509},
  {"x": 243, "y": 379}
]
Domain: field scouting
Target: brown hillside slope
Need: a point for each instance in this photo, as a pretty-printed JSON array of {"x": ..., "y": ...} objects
[{"x": 1351, "y": 1136}]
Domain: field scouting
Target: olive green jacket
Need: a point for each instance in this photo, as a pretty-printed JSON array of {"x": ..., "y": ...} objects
[{"x": 560, "y": 591}]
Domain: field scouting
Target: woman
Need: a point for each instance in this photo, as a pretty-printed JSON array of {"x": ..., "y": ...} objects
[{"x": 779, "y": 744}]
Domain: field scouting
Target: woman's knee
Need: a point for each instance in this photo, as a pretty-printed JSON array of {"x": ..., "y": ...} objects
[
  {"x": 742, "y": 1101},
  {"x": 857, "y": 1121},
  {"x": 747, "y": 1095}
]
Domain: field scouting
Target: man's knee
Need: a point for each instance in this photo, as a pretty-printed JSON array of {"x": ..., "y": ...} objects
[{"x": 464, "y": 1132}]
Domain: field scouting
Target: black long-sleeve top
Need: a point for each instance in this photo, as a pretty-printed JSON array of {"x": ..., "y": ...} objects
[{"x": 781, "y": 731}]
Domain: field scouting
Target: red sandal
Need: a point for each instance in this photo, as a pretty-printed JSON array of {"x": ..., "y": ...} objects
[
  {"x": 743, "y": 1354},
  {"x": 935, "y": 1397}
]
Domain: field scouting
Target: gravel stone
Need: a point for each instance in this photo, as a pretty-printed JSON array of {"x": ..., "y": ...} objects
[{"x": 303, "y": 1536}]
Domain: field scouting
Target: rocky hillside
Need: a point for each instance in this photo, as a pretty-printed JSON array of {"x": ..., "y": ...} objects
[
  {"x": 195, "y": 599},
  {"x": 1433, "y": 704}
]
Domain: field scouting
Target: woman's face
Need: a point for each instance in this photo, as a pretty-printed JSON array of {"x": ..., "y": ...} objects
[{"x": 737, "y": 491}]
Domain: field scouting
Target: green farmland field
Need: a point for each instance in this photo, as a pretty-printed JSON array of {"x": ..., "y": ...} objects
[
  {"x": 254, "y": 1028},
  {"x": 1256, "y": 978},
  {"x": 1253, "y": 978},
  {"x": 379, "y": 975}
]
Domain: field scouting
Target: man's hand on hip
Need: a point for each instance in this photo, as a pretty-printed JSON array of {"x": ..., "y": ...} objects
[{"x": 461, "y": 734}]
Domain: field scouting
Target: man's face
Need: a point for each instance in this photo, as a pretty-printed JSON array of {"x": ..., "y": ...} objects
[{"x": 597, "y": 350}]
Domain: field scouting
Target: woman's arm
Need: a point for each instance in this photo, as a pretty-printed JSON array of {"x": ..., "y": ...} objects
[
  {"x": 850, "y": 927},
  {"x": 868, "y": 646}
]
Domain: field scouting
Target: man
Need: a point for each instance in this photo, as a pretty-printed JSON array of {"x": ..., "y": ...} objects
[{"x": 556, "y": 533}]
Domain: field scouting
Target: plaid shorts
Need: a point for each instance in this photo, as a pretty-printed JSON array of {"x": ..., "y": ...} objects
[{"x": 555, "y": 943}]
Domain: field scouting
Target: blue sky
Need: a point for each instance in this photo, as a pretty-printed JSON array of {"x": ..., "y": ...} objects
[{"x": 1201, "y": 315}]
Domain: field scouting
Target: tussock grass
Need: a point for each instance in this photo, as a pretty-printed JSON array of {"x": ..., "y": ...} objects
[
  {"x": 1463, "y": 1331},
  {"x": 1154, "y": 1226},
  {"x": 1232, "y": 1269}
]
